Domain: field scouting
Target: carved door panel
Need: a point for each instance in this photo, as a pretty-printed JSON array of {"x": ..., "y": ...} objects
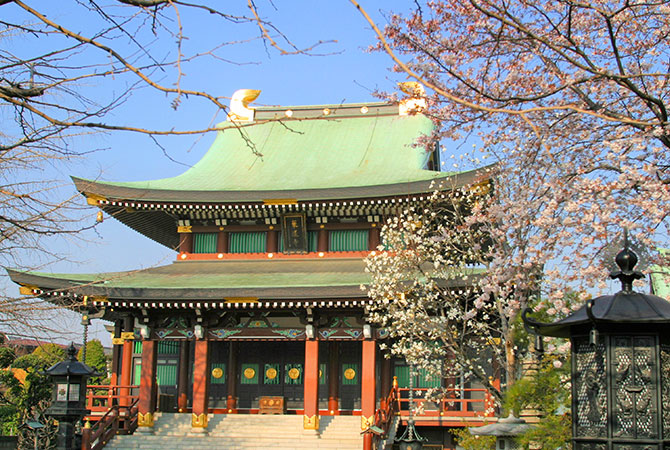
[{"x": 634, "y": 396}]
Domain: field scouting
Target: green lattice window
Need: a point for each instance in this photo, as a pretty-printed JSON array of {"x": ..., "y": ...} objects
[
  {"x": 248, "y": 242},
  {"x": 166, "y": 374},
  {"x": 137, "y": 347},
  {"x": 249, "y": 374},
  {"x": 137, "y": 371},
  {"x": 204, "y": 242},
  {"x": 168, "y": 347},
  {"x": 222, "y": 378},
  {"x": 421, "y": 379},
  {"x": 349, "y": 374},
  {"x": 271, "y": 374},
  {"x": 293, "y": 374},
  {"x": 348, "y": 240}
]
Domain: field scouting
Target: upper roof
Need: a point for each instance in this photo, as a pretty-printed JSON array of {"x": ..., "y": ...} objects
[{"x": 319, "y": 152}]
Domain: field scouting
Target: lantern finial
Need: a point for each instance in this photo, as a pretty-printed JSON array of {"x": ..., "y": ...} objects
[
  {"x": 72, "y": 352},
  {"x": 626, "y": 259}
]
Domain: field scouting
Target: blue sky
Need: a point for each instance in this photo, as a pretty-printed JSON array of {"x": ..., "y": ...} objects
[{"x": 346, "y": 72}]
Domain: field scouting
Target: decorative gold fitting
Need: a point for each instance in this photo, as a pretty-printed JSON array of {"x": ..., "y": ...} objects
[
  {"x": 280, "y": 201},
  {"x": 185, "y": 229},
  {"x": 199, "y": 420},
  {"x": 145, "y": 420},
  {"x": 310, "y": 423},
  {"x": 118, "y": 341},
  {"x": 93, "y": 199},
  {"x": 128, "y": 335},
  {"x": 367, "y": 422},
  {"x": 27, "y": 289}
]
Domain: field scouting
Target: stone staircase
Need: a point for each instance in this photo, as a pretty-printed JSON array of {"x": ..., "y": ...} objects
[{"x": 245, "y": 431}]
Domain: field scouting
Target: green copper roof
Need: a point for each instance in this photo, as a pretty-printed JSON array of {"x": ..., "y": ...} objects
[
  {"x": 214, "y": 280},
  {"x": 306, "y": 154}
]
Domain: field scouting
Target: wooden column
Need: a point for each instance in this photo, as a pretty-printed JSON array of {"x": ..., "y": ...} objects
[
  {"x": 222, "y": 242},
  {"x": 374, "y": 240},
  {"x": 322, "y": 240},
  {"x": 272, "y": 242},
  {"x": 146, "y": 405},
  {"x": 126, "y": 364},
  {"x": 182, "y": 381},
  {"x": 200, "y": 385},
  {"x": 116, "y": 354},
  {"x": 311, "y": 418},
  {"x": 333, "y": 378},
  {"x": 386, "y": 380},
  {"x": 368, "y": 384},
  {"x": 185, "y": 242},
  {"x": 231, "y": 401}
]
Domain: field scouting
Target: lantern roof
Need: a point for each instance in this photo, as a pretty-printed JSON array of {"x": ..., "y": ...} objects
[
  {"x": 507, "y": 427},
  {"x": 71, "y": 366},
  {"x": 626, "y": 306}
]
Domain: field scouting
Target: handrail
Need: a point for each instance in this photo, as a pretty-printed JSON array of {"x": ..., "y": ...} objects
[
  {"x": 455, "y": 403},
  {"x": 385, "y": 413},
  {"x": 118, "y": 419},
  {"x": 100, "y": 398}
]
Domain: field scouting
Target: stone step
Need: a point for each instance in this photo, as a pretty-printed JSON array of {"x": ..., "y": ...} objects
[{"x": 245, "y": 432}]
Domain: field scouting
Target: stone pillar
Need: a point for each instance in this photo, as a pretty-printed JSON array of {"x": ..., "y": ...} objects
[
  {"x": 368, "y": 384},
  {"x": 126, "y": 364},
  {"x": 146, "y": 405},
  {"x": 200, "y": 386},
  {"x": 182, "y": 381},
  {"x": 231, "y": 401},
  {"x": 333, "y": 378},
  {"x": 311, "y": 418}
]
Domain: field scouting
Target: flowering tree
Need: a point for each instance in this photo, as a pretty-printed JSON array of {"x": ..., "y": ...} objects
[{"x": 569, "y": 99}]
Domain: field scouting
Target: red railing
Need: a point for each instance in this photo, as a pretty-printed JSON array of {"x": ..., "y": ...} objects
[
  {"x": 458, "y": 402},
  {"x": 101, "y": 398},
  {"x": 117, "y": 420}
]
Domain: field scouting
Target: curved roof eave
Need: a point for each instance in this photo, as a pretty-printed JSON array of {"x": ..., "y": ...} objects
[{"x": 450, "y": 181}]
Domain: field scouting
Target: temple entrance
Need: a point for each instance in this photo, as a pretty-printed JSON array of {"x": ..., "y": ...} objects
[{"x": 270, "y": 369}]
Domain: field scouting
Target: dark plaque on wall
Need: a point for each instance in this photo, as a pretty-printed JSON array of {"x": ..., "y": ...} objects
[{"x": 294, "y": 233}]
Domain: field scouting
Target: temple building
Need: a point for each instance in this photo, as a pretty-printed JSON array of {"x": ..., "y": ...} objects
[{"x": 263, "y": 308}]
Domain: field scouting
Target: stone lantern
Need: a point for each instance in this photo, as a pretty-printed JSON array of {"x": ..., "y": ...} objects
[
  {"x": 68, "y": 401},
  {"x": 620, "y": 366},
  {"x": 505, "y": 431}
]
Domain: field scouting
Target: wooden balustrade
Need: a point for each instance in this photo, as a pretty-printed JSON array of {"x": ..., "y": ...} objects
[{"x": 101, "y": 398}]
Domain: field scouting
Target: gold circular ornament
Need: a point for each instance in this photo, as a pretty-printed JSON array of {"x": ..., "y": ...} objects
[
  {"x": 249, "y": 373},
  {"x": 271, "y": 373},
  {"x": 217, "y": 373},
  {"x": 293, "y": 374},
  {"x": 349, "y": 374},
  {"x": 320, "y": 373}
]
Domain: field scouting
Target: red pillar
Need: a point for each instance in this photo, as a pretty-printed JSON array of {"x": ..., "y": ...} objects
[
  {"x": 200, "y": 385},
  {"x": 386, "y": 380},
  {"x": 322, "y": 240},
  {"x": 333, "y": 378},
  {"x": 368, "y": 388},
  {"x": 126, "y": 364},
  {"x": 182, "y": 382},
  {"x": 116, "y": 354},
  {"x": 311, "y": 418},
  {"x": 146, "y": 404},
  {"x": 185, "y": 242}
]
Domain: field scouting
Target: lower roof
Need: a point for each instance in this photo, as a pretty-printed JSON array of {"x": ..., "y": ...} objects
[{"x": 294, "y": 279}]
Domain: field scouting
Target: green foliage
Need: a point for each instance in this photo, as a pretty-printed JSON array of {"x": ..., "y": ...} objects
[
  {"x": 96, "y": 359},
  {"x": 7, "y": 356},
  {"x": 50, "y": 354},
  {"x": 548, "y": 392},
  {"x": 469, "y": 442}
]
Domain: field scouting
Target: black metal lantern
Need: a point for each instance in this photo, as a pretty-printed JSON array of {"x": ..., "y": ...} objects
[
  {"x": 68, "y": 401},
  {"x": 620, "y": 366}
]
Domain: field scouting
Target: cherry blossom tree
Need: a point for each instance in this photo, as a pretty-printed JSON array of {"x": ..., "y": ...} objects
[{"x": 569, "y": 101}]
